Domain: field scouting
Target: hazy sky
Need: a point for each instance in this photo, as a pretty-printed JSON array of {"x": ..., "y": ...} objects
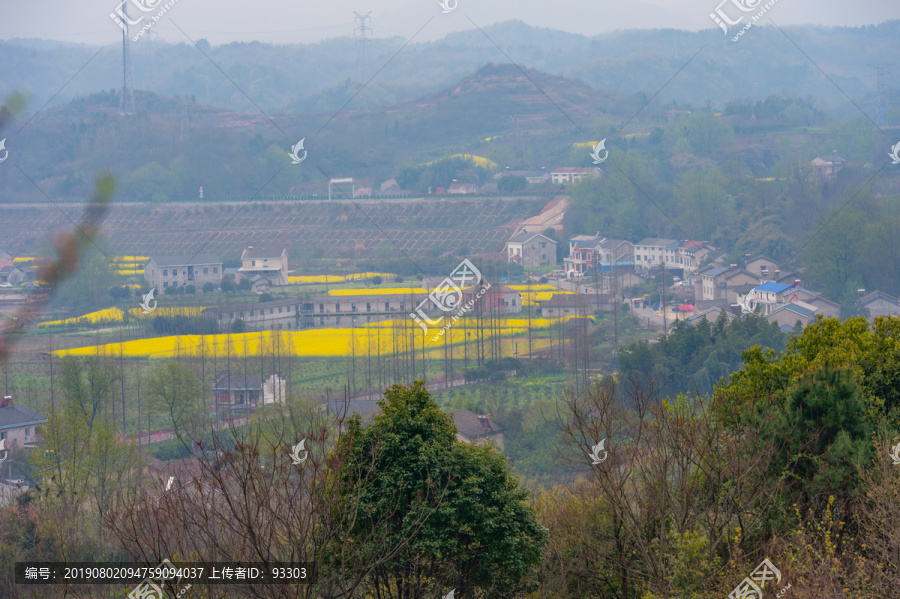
[{"x": 293, "y": 21}]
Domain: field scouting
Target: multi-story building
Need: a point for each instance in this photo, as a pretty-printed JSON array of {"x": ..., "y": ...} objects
[
  {"x": 569, "y": 174},
  {"x": 162, "y": 272},
  {"x": 594, "y": 253},
  {"x": 531, "y": 250},
  {"x": 653, "y": 252},
  {"x": 18, "y": 425},
  {"x": 268, "y": 264}
]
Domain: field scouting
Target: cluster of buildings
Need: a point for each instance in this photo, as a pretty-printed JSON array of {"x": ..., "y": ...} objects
[{"x": 263, "y": 268}]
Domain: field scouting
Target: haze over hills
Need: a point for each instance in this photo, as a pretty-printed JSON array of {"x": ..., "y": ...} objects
[{"x": 304, "y": 78}]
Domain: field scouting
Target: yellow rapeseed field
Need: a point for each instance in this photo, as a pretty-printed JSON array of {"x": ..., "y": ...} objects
[
  {"x": 478, "y": 160},
  {"x": 300, "y": 279},
  {"x": 535, "y": 288},
  {"x": 115, "y": 315},
  {"x": 343, "y": 342}
]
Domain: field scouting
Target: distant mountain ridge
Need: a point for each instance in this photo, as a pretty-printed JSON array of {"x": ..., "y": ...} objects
[{"x": 300, "y": 79}]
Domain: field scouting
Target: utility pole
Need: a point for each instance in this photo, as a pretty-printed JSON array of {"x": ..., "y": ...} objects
[{"x": 662, "y": 300}]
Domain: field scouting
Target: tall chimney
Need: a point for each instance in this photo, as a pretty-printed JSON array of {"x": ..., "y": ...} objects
[{"x": 860, "y": 293}]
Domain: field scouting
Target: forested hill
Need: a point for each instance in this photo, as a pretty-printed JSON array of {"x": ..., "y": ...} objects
[{"x": 303, "y": 78}]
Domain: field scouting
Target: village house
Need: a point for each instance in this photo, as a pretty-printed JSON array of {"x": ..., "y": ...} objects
[
  {"x": 268, "y": 264},
  {"x": 653, "y": 252},
  {"x": 827, "y": 167},
  {"x": 462, "y": 188},
  {"x": 577, "y": 304},
  {"x": 879, "y": 303},
  {"x": 531, "y": 177},
  {"x": 764, "y": 267},
  {"x": 499, "y": 299},
  {"x": 571, "y": 174},
  {"x": 588, "y": 253},
  {"x": 241, "y": 392},
  {"x": 162, "y": 272},
  {"x": 11, "y": 275},
  {"x": 791, "y": 313},
  {"x": 476, "y": 429},
  {"x": 19, "y": 426},
  {"x": 532, "y": 250},
  {"x": 691, "y": 254},
  {"x": 727, "y": 283}
]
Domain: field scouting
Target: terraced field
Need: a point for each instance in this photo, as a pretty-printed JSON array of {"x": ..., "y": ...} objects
[{"x": 340, "y": 228}]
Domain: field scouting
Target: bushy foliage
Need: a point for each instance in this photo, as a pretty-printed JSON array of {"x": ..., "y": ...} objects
[{"x": 696, "y": 357}]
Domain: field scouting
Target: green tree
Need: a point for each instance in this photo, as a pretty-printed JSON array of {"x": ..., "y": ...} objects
[
  {"x": 175, "y": 390},
  {"x": 89, "y": 383},
  {"x": 478, "y": 531}
]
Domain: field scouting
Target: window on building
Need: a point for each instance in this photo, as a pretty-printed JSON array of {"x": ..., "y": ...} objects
[
  {"x": 174, "y": 283},
  {"x": 271, "y": 310},
  {"x": 321, "y": 307},
  {"x": 165, "y": 272},
  {"x": 215, "y": 270},
  {"x": 27, "y": 432},
  {"x": 206, "y": 270},
  {"x": 354, "y": 308},
  {"x": 165, "y": 284},
  {"x": 2, "y": 436},
  {"x": 279, "y": 309}
]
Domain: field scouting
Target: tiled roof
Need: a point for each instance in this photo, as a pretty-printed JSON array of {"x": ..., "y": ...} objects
[
  {"x": 875, "y": 295},
  {"x": 795, "y": 309},
  {"x": 656, "y": 241},
  {"x": 186, "y": 260},
  {"x": 525, "y": 236},
  {"x": 18, "y": 416},
  {"x": 469, "y": 426},
  {"x": 256, "y": 253}
]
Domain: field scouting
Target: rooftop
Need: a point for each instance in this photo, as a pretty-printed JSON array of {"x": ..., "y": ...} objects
[
  {"x": 656, "y": 241},
  {"x": 770, "y": 287},
  {"x": 526, "y": 236},
  {"x": 471, "y": 426},
  {"x": 18, "y": 416},
  {"x": 259, "y": 254},
  {"x": 185, "y": 260}
]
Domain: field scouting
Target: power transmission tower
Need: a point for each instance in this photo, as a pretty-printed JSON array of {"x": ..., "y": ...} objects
[
  {"x": 126, "y": 102},
  {"x": 882, "y": 92},
  {"x": 362, "y": 42}
]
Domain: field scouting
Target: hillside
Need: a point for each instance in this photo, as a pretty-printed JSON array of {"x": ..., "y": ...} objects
[{"x": 338, "y": 229}]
